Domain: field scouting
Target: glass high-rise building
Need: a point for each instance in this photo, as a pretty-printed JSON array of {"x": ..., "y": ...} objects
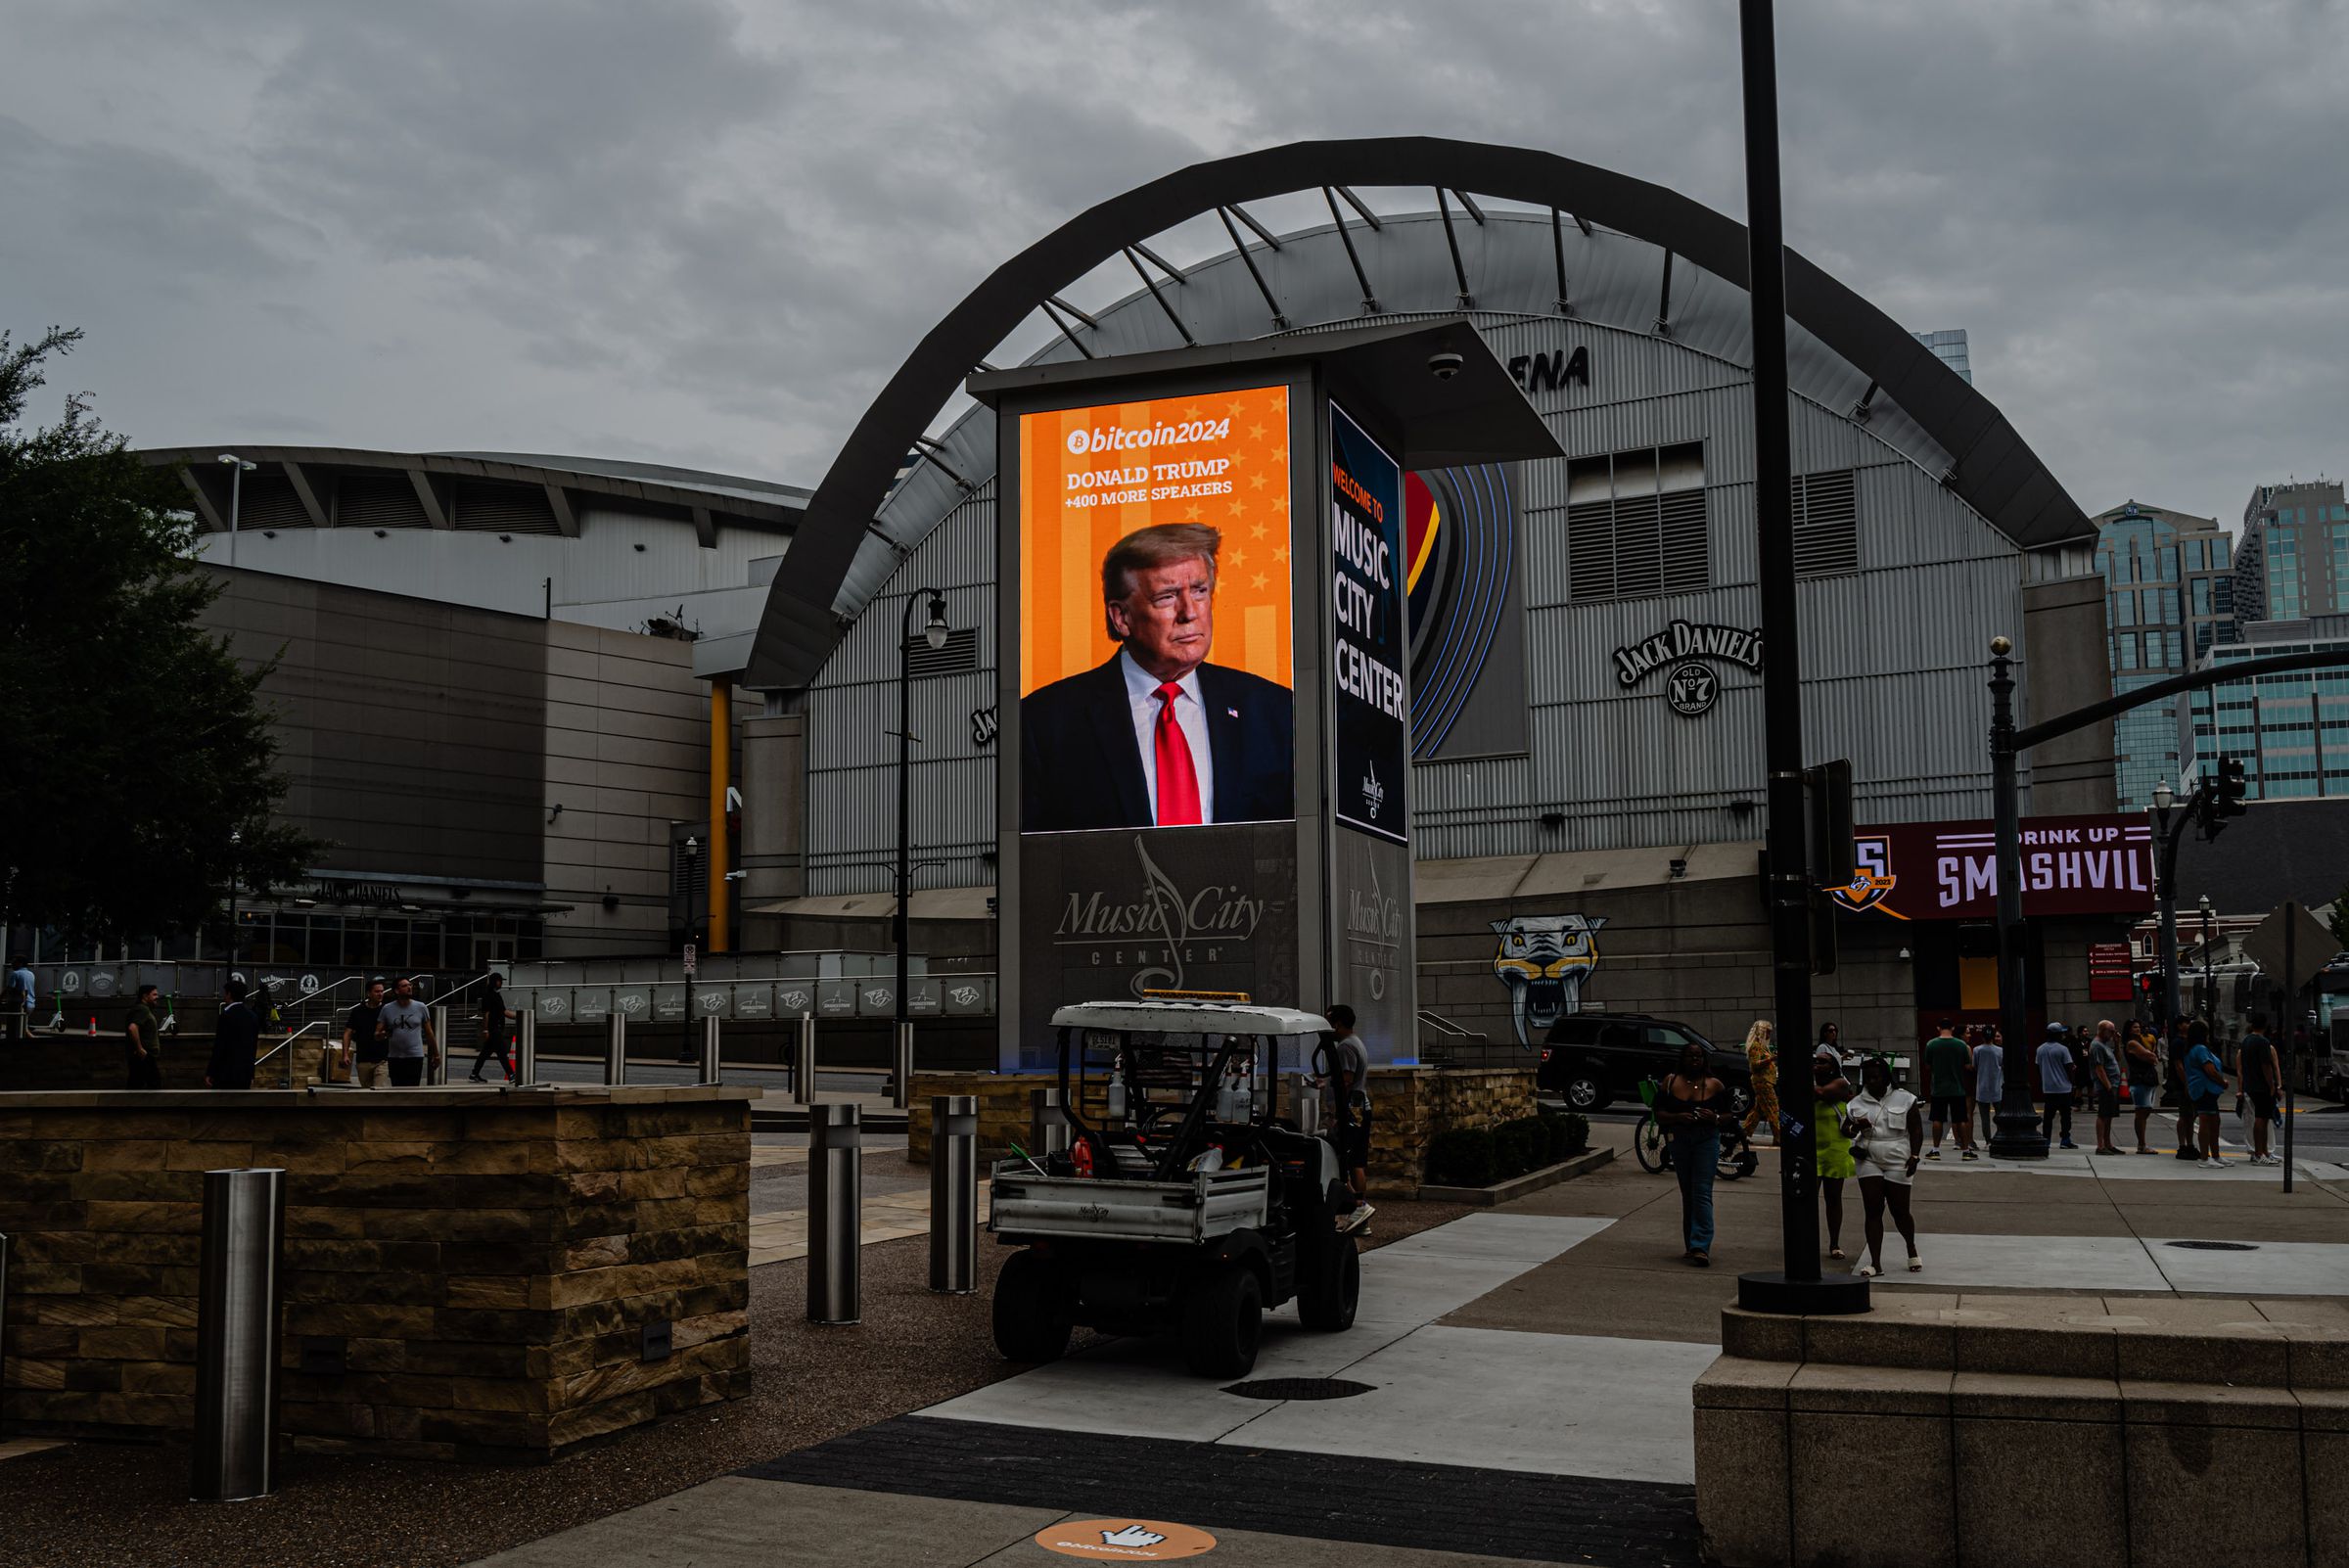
[
  {"x": 2169, "y": 598},
  {"x": 1949, "y": 347},
  {"x": 2291, "y": 730},
  {"x": 2294, "y": 559}
]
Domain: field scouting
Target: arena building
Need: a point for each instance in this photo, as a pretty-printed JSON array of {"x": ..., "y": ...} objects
[{"x": 1588, "y": 775}]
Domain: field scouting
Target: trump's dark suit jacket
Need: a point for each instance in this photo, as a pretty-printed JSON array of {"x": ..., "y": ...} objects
[{"x": 1081, "y": 767}]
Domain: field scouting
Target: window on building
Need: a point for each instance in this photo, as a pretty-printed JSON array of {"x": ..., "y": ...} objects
[
  {"x": 2128, "y": 646},
  {"x": 2198, "y": 555},
  {"x": 1826, "y": 524},
  {"x": 2125, "y": 609},
  {"x": 1635, "y": 524},
  {"x": 2220, "y": 550},
  {"x": 2168, "y": 556},
  {"x": 2201, "y": 596}
]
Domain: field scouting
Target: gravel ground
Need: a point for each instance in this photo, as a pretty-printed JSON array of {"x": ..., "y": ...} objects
[{"x": 101, "y": 1506}]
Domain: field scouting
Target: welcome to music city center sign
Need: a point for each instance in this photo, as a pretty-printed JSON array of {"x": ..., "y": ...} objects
[{"x": 2072, "y": 865}]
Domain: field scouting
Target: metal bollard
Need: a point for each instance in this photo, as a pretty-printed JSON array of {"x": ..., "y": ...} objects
[
  {"x": 708, "y": 1053},
  {"x": 803, "y": 1064},
  {"x": 615, "y": 1050},
  {"x": 237, "y": 1335},
  {"x": 526, "y": 1046},
  {"x": 901, "y": 1065},
  {"x": 835, "y": 1197},
  {"x": 1047, "y": 1122},
  {"x": 955, "y": 1194},
  {"x": 1305, "y": 1104},
  {"x": 436, "y": 1071}
]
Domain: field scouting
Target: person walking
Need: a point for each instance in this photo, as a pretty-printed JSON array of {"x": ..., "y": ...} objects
[
  {"x": 2056, "y": 1085},
  {"x": 142, "y": 1042},
  {"x": 2260, "y": 1080},
  {"x": 1830, "y": 1090},
  {"x": 2206, "y": 1082},
  {"x": 1830, "y": 1039},
  {"x": 2105, "y": 1082},
  {"x": 2140, "y": 1067},
  {"x": 360, "y": 1042},
  {"x": 405, "y": 1027},
  {"x": 234, "y": 1038},
  {"x": 1947, "y": 1064},
  {"x": 16, "y": 997},
  {"x": 1349, "y": 1081},
  {"x": 1888, "y": 1133},
  {"x": 1762, "y": 1067},
  {"x": 493, "y": 1031},
  {"x": 2181, "y": 1043},
  {"x": 1693, "y": 1106},
  {"x": 1990, "y": 1081}
]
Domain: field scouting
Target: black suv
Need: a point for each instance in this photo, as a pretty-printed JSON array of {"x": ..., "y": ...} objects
[{"x": 1594, "y": 1058}]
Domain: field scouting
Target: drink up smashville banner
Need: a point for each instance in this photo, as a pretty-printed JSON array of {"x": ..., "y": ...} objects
[{"x": 1091, "y": 476}]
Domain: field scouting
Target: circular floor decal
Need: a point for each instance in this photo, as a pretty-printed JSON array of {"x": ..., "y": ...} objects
[{"x": 1125, "y": 1539}]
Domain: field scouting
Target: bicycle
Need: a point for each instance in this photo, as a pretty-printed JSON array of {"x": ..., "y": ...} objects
[{"x": 1651, "y": 1146}]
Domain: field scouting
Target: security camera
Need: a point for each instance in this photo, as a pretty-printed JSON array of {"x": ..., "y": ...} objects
[{"x": 1445, "y": 366}]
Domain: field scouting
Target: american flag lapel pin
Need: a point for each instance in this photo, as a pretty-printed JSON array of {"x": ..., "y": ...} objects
[{"x": 1231, "y": 712}]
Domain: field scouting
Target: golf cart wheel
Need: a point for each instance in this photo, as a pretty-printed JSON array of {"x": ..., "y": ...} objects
[
  {"x": 1327, "y": 1301},
  {"x": 1585, "y": 1089},
  {"x": 1222, "y": 1321},
  {"x": 1031, "y": 1310}
]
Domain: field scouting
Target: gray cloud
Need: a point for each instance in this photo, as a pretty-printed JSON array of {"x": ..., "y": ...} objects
[{"x": 693, "y": 232}]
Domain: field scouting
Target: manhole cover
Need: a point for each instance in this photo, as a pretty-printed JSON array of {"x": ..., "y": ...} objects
[
  {"x": 1299, "y": 1388},
  {"x": 2213, "y": 1246}
]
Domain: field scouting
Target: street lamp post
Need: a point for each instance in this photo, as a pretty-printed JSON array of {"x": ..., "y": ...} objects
[
  {"x": 934, "y": 633},
  {"x": 2166, "y": 834},
  {"x": 238, "y": 468},
  {"x": 2018, "y": 1134},
  {"x": 2210, "y": 986},
  {"x": 236, "y": 842},
  {"x": 693, "y": 856}
]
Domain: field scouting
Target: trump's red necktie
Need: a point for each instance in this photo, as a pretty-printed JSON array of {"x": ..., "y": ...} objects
[{"x": 1178, "y": 778}]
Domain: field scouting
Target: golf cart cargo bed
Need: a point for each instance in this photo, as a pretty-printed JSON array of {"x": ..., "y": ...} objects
[{"x": 1196, "y": 1207}]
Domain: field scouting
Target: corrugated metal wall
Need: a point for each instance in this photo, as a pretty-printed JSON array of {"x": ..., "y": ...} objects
[{"x": 1892, "y": 654}]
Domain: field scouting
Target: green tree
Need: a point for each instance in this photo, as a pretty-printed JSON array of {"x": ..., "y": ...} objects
[
  {"x": 2340, "y": 919},
  {"x": 132, "y": 743}
]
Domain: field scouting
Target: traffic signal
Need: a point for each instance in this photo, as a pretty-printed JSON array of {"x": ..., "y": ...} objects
[{"x": 2232, "y": 787}]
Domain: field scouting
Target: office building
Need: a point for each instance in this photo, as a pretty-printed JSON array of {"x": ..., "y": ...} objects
[
  {"x": 1949, "y": 347},
  {"x": 2169, "y": 597},
  {"x": 2291, "y": 730},
  {"x": 2294, "y": 558}
]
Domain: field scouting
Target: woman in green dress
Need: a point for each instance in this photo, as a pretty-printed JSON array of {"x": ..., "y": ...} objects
[{"x": 1831, "y": 1091}]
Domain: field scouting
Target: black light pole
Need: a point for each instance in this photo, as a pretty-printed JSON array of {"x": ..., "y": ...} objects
[
  {"x": 693, "y": 856},
  {"x": 1800, "y": 1286},
  {"x": 2018, "y": 1134},
  {"x": 236, "y": 843},
  {"x": 935, "y": 634},
  {"x": 2169, "y": 826},
  {"x": 2210, "y": 983}
]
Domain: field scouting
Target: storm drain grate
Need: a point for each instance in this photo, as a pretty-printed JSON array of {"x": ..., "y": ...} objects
[
  {"x": 1299, "y": 1388},
  {"x": 2213, "y": 1246}
]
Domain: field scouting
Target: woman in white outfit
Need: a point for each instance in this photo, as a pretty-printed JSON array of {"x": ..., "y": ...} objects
[{"x": 1888, "y": 1133}]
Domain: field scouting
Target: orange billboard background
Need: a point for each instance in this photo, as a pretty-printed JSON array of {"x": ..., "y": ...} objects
[{"x": 1088, "y": 477}]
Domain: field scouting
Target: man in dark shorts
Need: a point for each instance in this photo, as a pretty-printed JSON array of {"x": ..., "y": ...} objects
[
  {"x": 1349, "y": 1076},
  {"x": 234, "y": 1038},
  {"x": 2206, "y": 1082},
  {"x": 1947, "y": 1062},
  {"x": 2261, "y": 1081},
  {"x": 360, "y": 1040}
]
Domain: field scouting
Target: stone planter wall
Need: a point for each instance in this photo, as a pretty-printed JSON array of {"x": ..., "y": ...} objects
[
  {"x": 77, "y": 1062},
  {"x": 468, "y": 1272},
  {"x": 2027, "y": 1429}
]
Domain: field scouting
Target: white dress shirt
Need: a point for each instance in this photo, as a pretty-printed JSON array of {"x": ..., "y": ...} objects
[{"x": 1141, "y": 695}]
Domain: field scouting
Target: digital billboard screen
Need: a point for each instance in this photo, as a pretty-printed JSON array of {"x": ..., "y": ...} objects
[
  {"x": 1155, "y": 630},
  {"x": 1370, "y": 751}
]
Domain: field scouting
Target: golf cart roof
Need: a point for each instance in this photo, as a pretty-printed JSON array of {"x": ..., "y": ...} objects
[{"x": 1190, "y": 1017}]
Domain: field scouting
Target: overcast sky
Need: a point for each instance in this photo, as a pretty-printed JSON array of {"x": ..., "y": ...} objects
[{"x": 700, "y": 233}]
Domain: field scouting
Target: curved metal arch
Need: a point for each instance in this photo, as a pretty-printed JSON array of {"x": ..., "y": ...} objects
[{"x": 1994, "y": 470}]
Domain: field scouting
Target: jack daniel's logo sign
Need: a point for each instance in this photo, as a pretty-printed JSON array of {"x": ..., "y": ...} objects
[{"x": 1690, "y": 688}]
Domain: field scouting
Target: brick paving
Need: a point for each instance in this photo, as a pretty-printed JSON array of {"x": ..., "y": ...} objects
[{"x": 1535, "y": 1519}]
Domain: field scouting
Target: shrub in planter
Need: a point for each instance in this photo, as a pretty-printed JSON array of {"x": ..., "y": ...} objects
[
  {"x": 1577, "y": 1128},
  {"x": 1516, "y": 1149},
  {"x": 1461, "y": 1158},
  {"x": 1553, "y": 1137}
]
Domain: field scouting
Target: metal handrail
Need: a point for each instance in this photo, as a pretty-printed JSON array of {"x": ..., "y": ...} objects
[{"x": 1447, "y": 1026}]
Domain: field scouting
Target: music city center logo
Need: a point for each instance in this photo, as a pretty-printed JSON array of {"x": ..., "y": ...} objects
[{"x": 1169, "y": 926}]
